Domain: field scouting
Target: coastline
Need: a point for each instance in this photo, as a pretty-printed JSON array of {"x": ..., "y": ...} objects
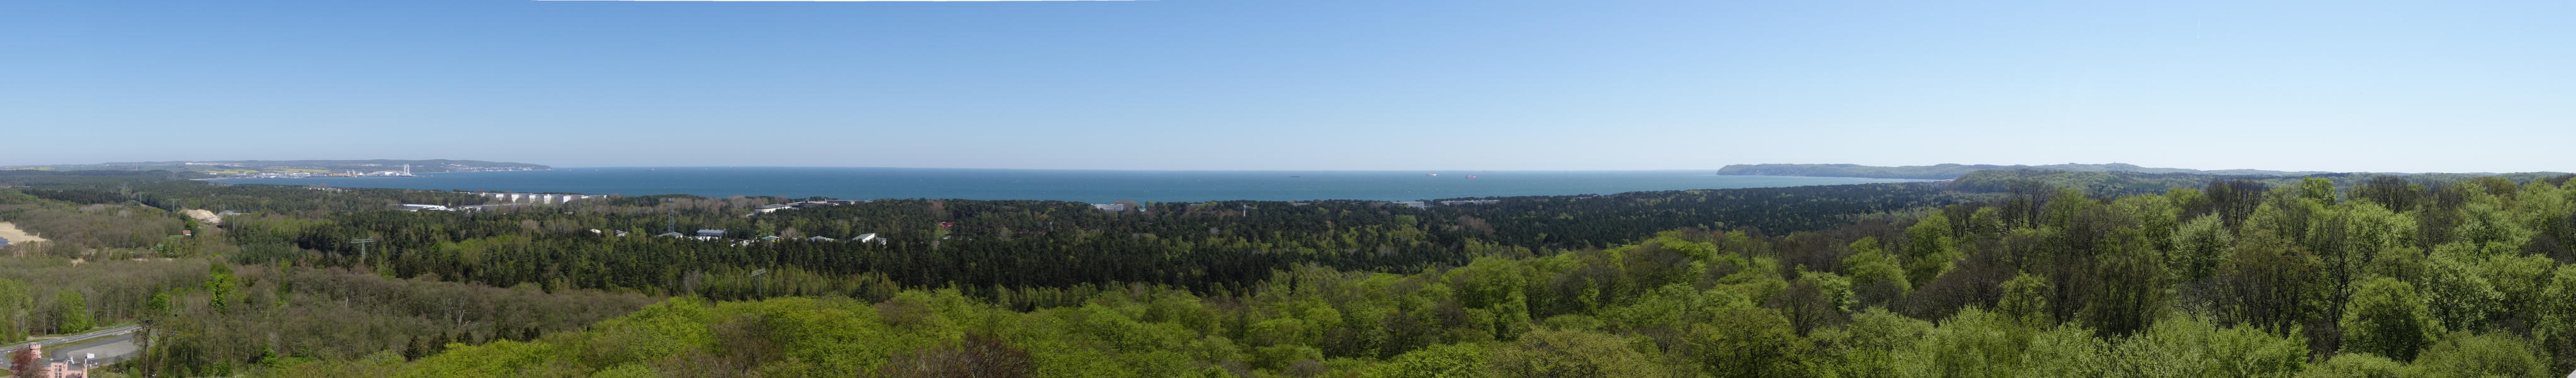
[{"x": 1093, "y": 186}]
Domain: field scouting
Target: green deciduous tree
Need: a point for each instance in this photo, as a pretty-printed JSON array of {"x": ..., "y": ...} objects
[
  {"x": 2199, "y": 246},
  {"x": 17, "y": 303},
  {"x": 71, "y": 312},
  {"x": 2389, "y": 318},
  {"x": 2396, "y": 193},
  {"x": 2356, "y": 365},
  {"x": 1928, "y": 249},
  {"x": 1986, "y": 222},
  {"x": 2271, "y": 281},
  {"x": 2067, "y": 352},
  {"x": 2491, "y": 228},
  {"x": 2317, "y": 189},
  {"x": 2461, "y": 297},
  {"x": 2520, "y": 282},
  {"x": 2189, "y": 346},
  {"x": 1876, "y": 278},
  {"x": 1740, "y": 340},
  {"x": 1569, "y": 354},
  {"x": 1970, "y": 343},
  {"x": 1816, "y": 299},
  {"x": 2128, "y": 296},
  {"x": 2485, "y": 354},
  {"x": 1437, "y": 361},
  {"x": 2556, "y": 331},
  {"x": 978, "y": 355},
  {"x": 2025, "y": 299},
  {"x": 2348, "y": 243},
  {"x": 1873, "y": 341},
  {"x": 220, "y": 285}
]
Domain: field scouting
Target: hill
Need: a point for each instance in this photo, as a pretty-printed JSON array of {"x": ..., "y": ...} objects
[{"x": 2037, "y": 273}]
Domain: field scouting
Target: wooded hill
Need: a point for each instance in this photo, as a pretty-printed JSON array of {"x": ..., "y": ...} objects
[
  {"x": 2021, "y": 274},
  {"x": 2237, "y": 279}
]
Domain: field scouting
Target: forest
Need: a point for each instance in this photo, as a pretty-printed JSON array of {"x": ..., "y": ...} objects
[
  {"x": 1951, "y": 171},
  {"x": 1998, "y": 274}
]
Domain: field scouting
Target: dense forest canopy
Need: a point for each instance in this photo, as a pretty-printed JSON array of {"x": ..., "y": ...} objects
[
  {"x": 2000, "y": 273},
  {"x": 2132, "y": 183},
  {"x": 1950, "y": 171}
]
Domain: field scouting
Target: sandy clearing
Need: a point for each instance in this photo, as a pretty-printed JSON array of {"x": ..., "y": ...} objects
[
  {"x": 203, "y": 216},
  {"x": 11, "y": 232}
]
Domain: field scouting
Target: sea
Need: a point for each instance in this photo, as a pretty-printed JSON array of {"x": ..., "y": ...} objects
[{"x": 1095, "y": 186}]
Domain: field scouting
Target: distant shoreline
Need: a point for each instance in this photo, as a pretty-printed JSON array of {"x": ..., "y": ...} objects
[{"x": 1094, "y": 186}]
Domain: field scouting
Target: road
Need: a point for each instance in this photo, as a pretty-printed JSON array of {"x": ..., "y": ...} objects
[{"x": 110, "y": 350}]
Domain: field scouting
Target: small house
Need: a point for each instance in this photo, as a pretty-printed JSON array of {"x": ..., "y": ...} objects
[
  {"x": 673, "y": 234},
  {"x": 712, "y": 233}
]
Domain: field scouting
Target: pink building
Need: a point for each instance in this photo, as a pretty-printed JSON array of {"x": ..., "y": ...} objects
[{"x": 62, "y": 368}]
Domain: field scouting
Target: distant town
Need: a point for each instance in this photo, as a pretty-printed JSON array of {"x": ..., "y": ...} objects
[
  {"x": 298, "y": 168},
  {"x": 310, "y": 172}
]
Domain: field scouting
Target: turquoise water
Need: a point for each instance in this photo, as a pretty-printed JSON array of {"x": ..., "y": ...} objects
[{"x": 1098, "y": 186}]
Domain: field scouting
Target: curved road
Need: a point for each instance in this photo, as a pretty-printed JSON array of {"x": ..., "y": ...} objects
[{"x": 109, "y": 350}]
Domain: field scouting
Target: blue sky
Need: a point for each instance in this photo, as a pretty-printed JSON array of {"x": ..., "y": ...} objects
[{"x": 1236, "y": 84}]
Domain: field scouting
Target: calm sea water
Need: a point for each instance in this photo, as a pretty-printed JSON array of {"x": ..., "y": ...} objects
[{"x": 1097, "y": 186}]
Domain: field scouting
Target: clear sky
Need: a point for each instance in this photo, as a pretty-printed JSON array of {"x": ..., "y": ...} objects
[{"x": 1244, "y": 84}]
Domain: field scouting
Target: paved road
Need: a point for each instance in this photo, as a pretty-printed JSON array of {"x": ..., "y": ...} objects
[
  {"x": 122, "y": 346},
  {"x": 109, "y": 351}
]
